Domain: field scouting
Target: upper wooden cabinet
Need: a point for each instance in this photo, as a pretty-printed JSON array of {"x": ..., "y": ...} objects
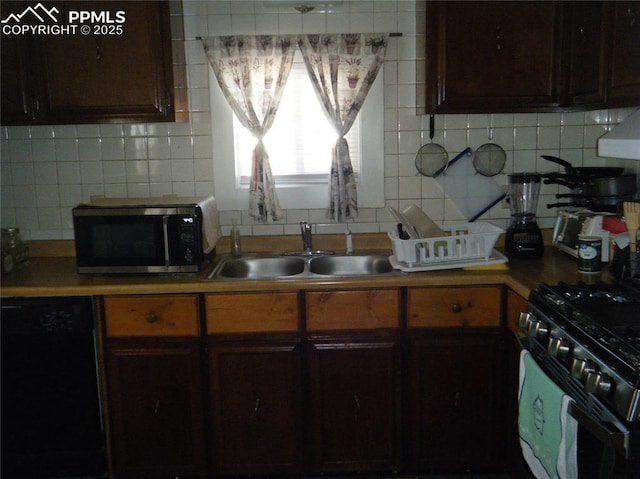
[
  {"x": 531, "y": 56},
  {"x": 102, "y": 72},
  {"x": 623, "y": 79},
  {"x": 604, "y": 68},
  {"x": 588, "y": 30},
  {"x": 493, "y": 56}
]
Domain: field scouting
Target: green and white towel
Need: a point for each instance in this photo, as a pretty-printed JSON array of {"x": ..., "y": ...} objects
[{"x": 548, "y": 434}]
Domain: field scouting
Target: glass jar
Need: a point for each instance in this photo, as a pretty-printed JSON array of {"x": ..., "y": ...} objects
[{"x": 15, "y": 252}]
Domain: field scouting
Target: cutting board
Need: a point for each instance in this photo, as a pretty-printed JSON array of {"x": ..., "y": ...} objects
[{"x": 472, "y": 193}]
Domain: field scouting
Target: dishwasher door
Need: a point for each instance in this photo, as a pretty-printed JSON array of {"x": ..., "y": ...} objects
[{"x": 50, "y": 402}]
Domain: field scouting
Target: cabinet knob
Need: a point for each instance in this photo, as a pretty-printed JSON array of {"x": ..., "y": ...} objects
[
  {"x": 151, "y": 317},
  {"x": 459, "y": 307}
]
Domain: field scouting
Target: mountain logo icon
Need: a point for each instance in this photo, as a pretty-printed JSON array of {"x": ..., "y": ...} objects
[{"x": 39, "y": 13}]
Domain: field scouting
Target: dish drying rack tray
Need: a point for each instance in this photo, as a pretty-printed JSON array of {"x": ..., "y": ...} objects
[{"x": 466, "y": 243}]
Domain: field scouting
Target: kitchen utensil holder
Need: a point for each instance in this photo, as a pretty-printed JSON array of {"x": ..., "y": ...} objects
[{"x": 463, "y": 241}]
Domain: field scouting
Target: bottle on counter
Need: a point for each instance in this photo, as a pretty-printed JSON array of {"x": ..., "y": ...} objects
[
  {"x": 15, "y": 252},
  {"x": 236, "y": 247}
]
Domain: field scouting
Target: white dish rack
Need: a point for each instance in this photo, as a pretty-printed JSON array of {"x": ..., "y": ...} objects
[{"x": 464, "y": 243}]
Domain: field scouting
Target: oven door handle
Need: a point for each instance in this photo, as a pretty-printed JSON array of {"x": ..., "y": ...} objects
[{"x": 606, "y": 433}]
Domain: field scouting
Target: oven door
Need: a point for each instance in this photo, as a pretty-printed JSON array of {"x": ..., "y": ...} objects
[{"x": 604, "y": 450}]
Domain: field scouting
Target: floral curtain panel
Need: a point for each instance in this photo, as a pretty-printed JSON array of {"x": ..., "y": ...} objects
[
  {"x": 342, "y": 68},
  {"x": 252, "y": 72}
]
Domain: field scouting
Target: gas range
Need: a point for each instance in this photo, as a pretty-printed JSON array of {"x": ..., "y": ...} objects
[{"x": 593, "y": 333}]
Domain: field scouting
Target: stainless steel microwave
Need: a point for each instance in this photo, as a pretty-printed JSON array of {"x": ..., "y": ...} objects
[{"x": 145, "y": 235}]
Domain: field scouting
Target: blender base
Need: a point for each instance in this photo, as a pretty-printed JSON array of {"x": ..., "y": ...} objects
[{"x": 524, "y": 242}]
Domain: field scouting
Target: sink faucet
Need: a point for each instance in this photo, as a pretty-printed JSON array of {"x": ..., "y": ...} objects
[{"x": 307, "y": 238}]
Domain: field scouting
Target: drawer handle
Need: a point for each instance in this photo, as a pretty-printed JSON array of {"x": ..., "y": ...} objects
[
  {"x": 151, "y": 317},
  {"x": 458, "y": 307}
]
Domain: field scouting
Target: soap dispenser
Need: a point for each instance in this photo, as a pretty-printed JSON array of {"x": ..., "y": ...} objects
[
  {"x": 349, "y": 241},
  {"x": 236, "y": 247}
]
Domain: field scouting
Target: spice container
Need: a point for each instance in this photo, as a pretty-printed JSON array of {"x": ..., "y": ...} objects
[
  {"x": 589, "y": 254},
  {"x": 15, "y": 252}
]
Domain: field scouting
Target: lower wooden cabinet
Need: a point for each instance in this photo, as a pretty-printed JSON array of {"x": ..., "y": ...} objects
[
  {"x": 255, "y": 383},
  {"x": 154, "y": 385},
  {"x": 456, "y": 374},
  {"x": 155, "y": 405},
  {"x": 300, "y": 383},
  {"x": 456, "y": 401},
  {"x": 256, "y": 407},
  {"x": 354, "y": 379},
  {"x": 354, "y": 394}
]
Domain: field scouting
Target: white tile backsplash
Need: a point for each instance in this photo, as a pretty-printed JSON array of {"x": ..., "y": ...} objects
[{"x": 48, "y": 169}]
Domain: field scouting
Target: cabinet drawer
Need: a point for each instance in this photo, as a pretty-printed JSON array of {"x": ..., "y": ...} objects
[
  {"x": 372, "y": 309},
  {"x": 252, "y": 312},
  {"x": 454, "y": 307},
  {"x": 162, "y": 315}
]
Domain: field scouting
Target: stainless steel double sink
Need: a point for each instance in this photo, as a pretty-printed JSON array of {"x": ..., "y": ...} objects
[{"x": 303, "y": 265}]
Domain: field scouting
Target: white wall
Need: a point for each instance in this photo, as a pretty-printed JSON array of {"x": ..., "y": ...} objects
[{"x": 48, "y": 170}]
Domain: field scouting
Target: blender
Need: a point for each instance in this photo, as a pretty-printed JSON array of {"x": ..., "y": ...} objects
[{"x": 523, "y": 238}]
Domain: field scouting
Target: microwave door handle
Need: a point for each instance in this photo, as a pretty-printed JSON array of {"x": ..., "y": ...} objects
[{"x": 165, "y": 232}]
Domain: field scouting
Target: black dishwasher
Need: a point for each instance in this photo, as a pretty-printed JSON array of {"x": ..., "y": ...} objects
[{"x": 50, "y": 402}]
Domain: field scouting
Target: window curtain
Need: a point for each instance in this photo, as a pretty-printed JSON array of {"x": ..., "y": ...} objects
[
  {"x": 342, "y": 68},
  {"x": 252, "y": 72}
]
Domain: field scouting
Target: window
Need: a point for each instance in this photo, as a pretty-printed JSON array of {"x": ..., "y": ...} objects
[
  {"x": 300, "y": 156},
  {"x": 299, "y": 141}
]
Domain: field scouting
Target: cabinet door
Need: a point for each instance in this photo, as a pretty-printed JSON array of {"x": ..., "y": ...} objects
[
  {"x": 354, "y": 404},
  {"x": 256, "y": 408},
  {"x": 121, "y": 73},
  {"x": 623, "y": 84},
  {"x": 18, "y": 95},
  {"x": 456, "y": 401},
  {"x": 587, "y": 63},
  {"x": 493, "y": 56},
  {"x": 155, "y": 405}
]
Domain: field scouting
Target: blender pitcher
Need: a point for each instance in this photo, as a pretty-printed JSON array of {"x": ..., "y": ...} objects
[{"x": 523, "y": 238}]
